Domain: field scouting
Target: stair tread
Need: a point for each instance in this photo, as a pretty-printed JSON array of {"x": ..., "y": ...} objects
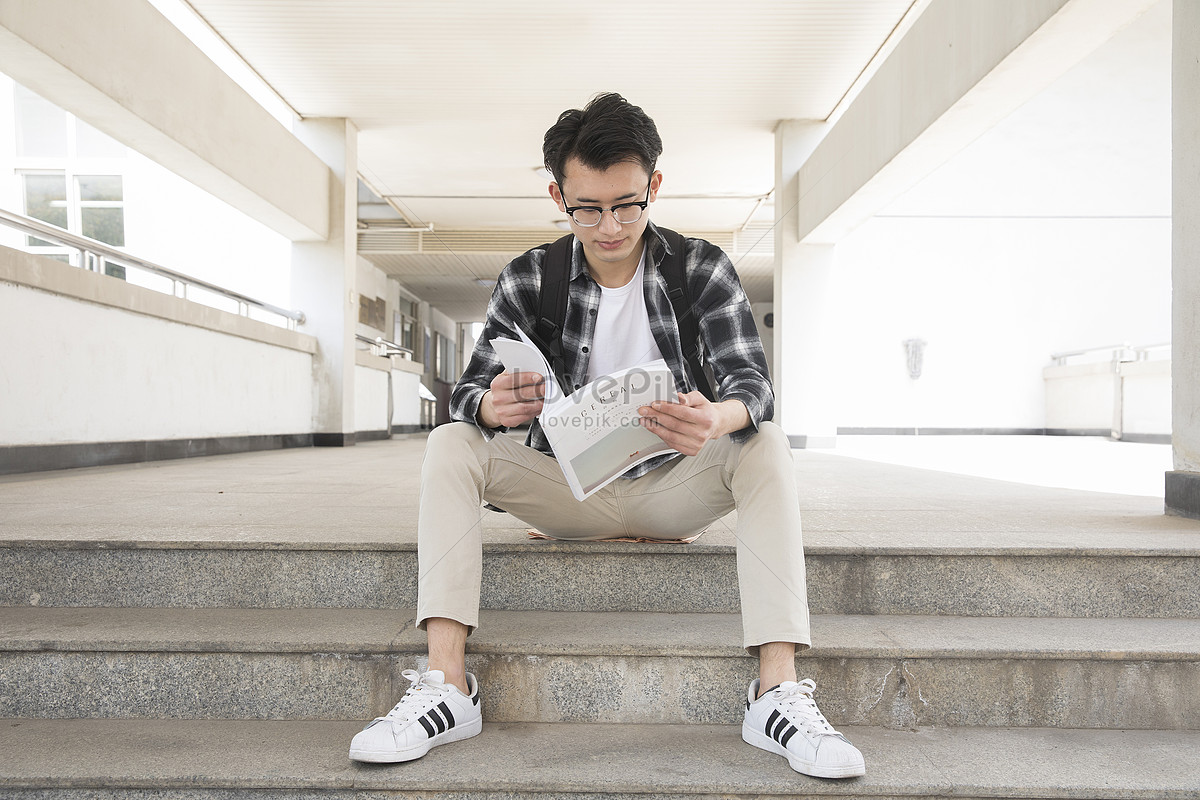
[
  {"x": 611, "y": 758},
  {"x": 574, "y": 633},
  {"x": 1081, "y": 538}
]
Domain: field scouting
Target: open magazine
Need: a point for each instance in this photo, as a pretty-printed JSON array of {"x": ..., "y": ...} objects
[{"x": 595, "y": 431}]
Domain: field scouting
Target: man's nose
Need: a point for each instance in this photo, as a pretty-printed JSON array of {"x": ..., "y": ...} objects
[{"x": 608, "y": 222}]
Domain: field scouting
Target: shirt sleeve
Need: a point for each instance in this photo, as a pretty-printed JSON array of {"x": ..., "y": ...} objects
[
  {"x": 732, "y": 346},
  {"x": 509, "y": 299}
]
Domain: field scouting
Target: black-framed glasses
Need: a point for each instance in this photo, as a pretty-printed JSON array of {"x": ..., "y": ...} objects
[{"x": 624, "y": 213}]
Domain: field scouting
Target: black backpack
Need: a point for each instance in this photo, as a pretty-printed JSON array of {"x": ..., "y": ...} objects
[{"x": 552, "y": 309}]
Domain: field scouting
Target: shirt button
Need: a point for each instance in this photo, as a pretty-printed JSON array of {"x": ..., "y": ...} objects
[
  {"x": 577, "y": 386},
  {"x": 592, "y": 311},
  {"x": 585, "y": 349}
]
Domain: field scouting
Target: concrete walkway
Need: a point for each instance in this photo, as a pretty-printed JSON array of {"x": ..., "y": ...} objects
[{"x": 367, "y": 495}]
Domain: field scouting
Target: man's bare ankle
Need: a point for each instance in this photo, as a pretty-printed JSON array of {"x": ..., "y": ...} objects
[{"x": 456, "y": 677}]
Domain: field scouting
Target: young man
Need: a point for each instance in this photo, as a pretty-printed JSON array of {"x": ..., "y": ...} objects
[{"x": 618, "y": 316}]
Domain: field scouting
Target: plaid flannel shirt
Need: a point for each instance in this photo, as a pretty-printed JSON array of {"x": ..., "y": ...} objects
[{"x": 730, "y": 343}]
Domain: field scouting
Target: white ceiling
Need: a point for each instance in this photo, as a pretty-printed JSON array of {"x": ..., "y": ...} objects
[{"x": 452, "y": 100}]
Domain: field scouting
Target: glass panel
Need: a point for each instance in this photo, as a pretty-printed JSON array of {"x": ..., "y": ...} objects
[
  {"x": 100, "y": 187},
  {"x": 91, "y": 143},
  {"x": 104, "y": 224},
  {"x": 41, "y": 126},
  {"x": 46, "y": 199}
]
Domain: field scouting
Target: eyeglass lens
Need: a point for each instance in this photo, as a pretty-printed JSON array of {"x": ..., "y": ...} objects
[{"x": 625, "y": 215}]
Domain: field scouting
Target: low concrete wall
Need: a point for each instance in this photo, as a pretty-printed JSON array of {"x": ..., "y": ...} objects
[
  {"x": 1080, "y": 396},
  {"x": 1146, "y": 393},
  {"x": 91, "y": 359},
  {"x": 406, "y": 399},
  {"x": 1131, "y": 400},
  {"x": 371, "y": 375}
]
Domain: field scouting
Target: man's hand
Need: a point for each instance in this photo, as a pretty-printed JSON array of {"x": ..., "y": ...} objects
[
  {"x": 691, "y": 422},
  {"x": 514, "y": 398}
]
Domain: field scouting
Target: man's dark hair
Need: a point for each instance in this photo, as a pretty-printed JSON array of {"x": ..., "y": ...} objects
[{"x": 608, "y": 131}]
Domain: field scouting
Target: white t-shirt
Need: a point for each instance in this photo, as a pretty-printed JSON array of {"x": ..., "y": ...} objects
[{"x": 623, "y": 338}]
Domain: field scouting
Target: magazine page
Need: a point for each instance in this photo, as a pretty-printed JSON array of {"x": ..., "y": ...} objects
[
  {"x": 525, "y": 356},
  {"x": 596, "y": 432}
]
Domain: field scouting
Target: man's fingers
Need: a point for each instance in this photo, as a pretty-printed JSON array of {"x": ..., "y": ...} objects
[
  {"x": 676, "y": 410},
  {"x": 518, "y": 387}
]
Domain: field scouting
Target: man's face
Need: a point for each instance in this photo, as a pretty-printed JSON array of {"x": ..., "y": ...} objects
[{"x": 609, "y": 242}]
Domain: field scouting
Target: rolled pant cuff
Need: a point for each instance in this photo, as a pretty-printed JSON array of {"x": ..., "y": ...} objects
[
  {"x": 423, "y": 617},
  {"x": 803, "y": 641}
]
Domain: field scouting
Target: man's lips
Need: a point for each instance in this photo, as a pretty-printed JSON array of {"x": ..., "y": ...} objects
[{"x": 613, "y": 245}]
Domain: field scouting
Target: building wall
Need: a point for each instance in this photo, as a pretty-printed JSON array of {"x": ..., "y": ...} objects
[
  {"x": 992, "y": 299},
  {"x": 103, "y": 361}
]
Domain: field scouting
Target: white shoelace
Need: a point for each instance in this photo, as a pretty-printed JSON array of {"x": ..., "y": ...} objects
[
  {"x": 420, "y": 695},
  {"x": 798, "y": 704}
]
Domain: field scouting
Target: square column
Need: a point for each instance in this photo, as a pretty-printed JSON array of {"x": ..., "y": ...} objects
[
  {"x": 1183, "y": 484},
  {"x": 803, "y": 364},
  {"x": 323, "y": 283}
]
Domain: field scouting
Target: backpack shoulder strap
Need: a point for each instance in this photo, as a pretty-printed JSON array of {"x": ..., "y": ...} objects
[
  {"x": 674, "y": 271},
  {"x": 552, "y": 307}
]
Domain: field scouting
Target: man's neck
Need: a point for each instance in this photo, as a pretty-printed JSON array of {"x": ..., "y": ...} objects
[{"x": 614, "y": 276}]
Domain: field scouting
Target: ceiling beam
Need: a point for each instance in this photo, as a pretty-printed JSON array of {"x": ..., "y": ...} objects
[{"x": 960, "y": 68}]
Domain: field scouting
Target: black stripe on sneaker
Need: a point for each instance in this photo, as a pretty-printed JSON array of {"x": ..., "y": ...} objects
[
  {"x": 428, "y": 728},
  {"x": 791, "y": 731},
  {"x": 445, "y": 709},
  {"x": 780, "y": 727},
  {"x": 771, "y": 722},
  {"x": 436, "y": 719}
]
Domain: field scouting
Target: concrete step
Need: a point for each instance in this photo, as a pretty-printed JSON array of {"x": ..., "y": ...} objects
[
  {"x": 139, "y": 760},
  {"x": 1133, "y": 574},
  {"x": 897, "y": 672}
]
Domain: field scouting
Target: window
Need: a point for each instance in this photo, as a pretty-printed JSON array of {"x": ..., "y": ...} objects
[
  {"x": 69, "y": 175},
  {"x": 90, "y": 205},
  {"x": 102, "y": 208},
  {"x": 406, "y": 326},
  {"x": 444, "y": 352},
  {"x": 42, "y": 127},
  {"x": 46, "y": 199}
]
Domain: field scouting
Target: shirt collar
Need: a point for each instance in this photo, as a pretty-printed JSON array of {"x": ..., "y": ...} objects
[{"x": 658, "y": 247}]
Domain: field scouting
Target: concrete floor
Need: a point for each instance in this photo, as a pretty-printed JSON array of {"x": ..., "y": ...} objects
[
  {"x": 1088, "y": 463},
  {"x": 367, "y": 495}
]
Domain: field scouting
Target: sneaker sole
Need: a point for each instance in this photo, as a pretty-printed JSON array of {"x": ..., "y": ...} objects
[
  {"x": 455, "y": 734},
  {"x": 764, "y": 742}
]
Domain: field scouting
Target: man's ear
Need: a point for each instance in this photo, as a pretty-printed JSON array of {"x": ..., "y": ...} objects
[
  {"x": 655, "y": 185},
  {"x": 556, "y": 196}
]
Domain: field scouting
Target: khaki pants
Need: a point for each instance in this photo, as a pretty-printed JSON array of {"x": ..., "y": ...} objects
[{"x": 461, "y": 471}]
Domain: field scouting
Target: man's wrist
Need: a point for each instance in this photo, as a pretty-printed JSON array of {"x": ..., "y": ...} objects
[
  {"x": 734, "y": 416},
  {"x": 481, "y": 415}
]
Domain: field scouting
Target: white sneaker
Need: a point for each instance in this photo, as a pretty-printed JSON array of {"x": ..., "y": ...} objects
[
  {"x": 787, "y": 722},
  {"x": 431, "y": 712}
]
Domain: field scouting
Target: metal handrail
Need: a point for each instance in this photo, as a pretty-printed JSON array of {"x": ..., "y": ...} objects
[
  {"x": 1141, "y": 352},
  {"x": 104, "y": 253},
  {"x": 388, "y": 348}
]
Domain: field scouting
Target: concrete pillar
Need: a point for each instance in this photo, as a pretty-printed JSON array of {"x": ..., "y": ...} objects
[
  {"x": 802, "y": 355},
  {"x": 1183, "y": 484},
  {"x": 323, "y": 283}
]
